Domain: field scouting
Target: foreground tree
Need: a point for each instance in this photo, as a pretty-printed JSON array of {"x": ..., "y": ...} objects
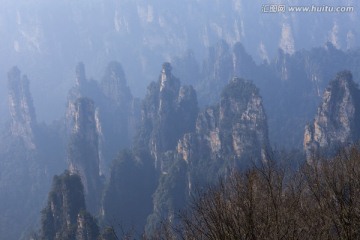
[
  {"x": 333, "y": 196},
  {"x": 320, "y": 200}
]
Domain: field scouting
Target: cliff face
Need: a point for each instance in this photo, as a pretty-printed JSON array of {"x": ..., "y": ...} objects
[
  {"x": 337, "y": 121},
  {"x": 114, "y": 84},
  {"x": 222, "y": 63},
  {"x": 83, "y": 152},
  {"x": 241, "y": 115},
  {"x": 235, "y": 129},
  {"x": 87, "y": 228},
  {"x": 30, "y": 154},
  {"x": 22, "y": 112},
  {"x": 169, "y": 110},
  {"x": 129, "y": 192},
  {"x": 117, "y": 112},
  {"x": 65, "y": 215},
  {"x": 83, "y": 88},
  {"x": 286, "y": 81},
  {"x": 228, "y": 136}
]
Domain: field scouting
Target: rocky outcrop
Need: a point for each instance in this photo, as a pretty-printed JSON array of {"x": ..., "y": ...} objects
[
  {"x": 170, "y": 196},
  {"x": 87, "y": 229},
  {"x": 282, "y": 65},
  {"x": 65, "y": 215},
  {"x": 117, "y": 112},
  {"x": 337, "y": 121},
  {"x": 169, "y": 110},
  {"x": 127, "y": 198},
  {"x": 83, "y": 152},
  {"x": 83, "y": 88},
  {"x": 228, "y": 136},
  {"x": 114, "y": 84},
  {"x": 30, "y": 154},
  {"x": 217, "y": 70},
  {"x": 231, "y": 134},
  {"x": 22, "y": 112},
  {"x": 242, "y": 63},
  {"x": 222, "y": 63}
]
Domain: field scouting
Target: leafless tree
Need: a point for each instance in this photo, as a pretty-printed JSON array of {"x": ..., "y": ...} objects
[{"x": 319, "y": 200}]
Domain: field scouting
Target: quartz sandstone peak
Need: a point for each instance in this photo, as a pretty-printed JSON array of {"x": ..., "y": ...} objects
[
  {"x": 22, "y": 112},
  {"x": 235, "y": 129},
  {"x": 83, "y": 153},
  {"x": 336, "y": 123},
  {"x": 228, "y": 136},
  {"x": 65, "y": 215},
  {"x": 80, "y": 74},
  {"x": 114, "y": 84},
  {"x": 169, "y": 111},
  {"x": 117, "y": 112}
]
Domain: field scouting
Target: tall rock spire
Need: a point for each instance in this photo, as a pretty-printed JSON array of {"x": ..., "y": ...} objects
[
  {"x": 65, "y": 215},
  {"x": 337, "y": 121},
  {"x": 235, "y": 130},
  {"x": 83, "y": 153},
  {"x": 169, "y": 111},
  {"x": 228, "y": 136},
  {"x": 80, "y": 75},
  {"x": 21, "y": 107},
  {"x": 114, "y": 84}
]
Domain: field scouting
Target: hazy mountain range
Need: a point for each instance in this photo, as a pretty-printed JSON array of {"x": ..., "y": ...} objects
[
  {"x": 47, "y": 39},
  {"x": 142, "y": 102}
]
